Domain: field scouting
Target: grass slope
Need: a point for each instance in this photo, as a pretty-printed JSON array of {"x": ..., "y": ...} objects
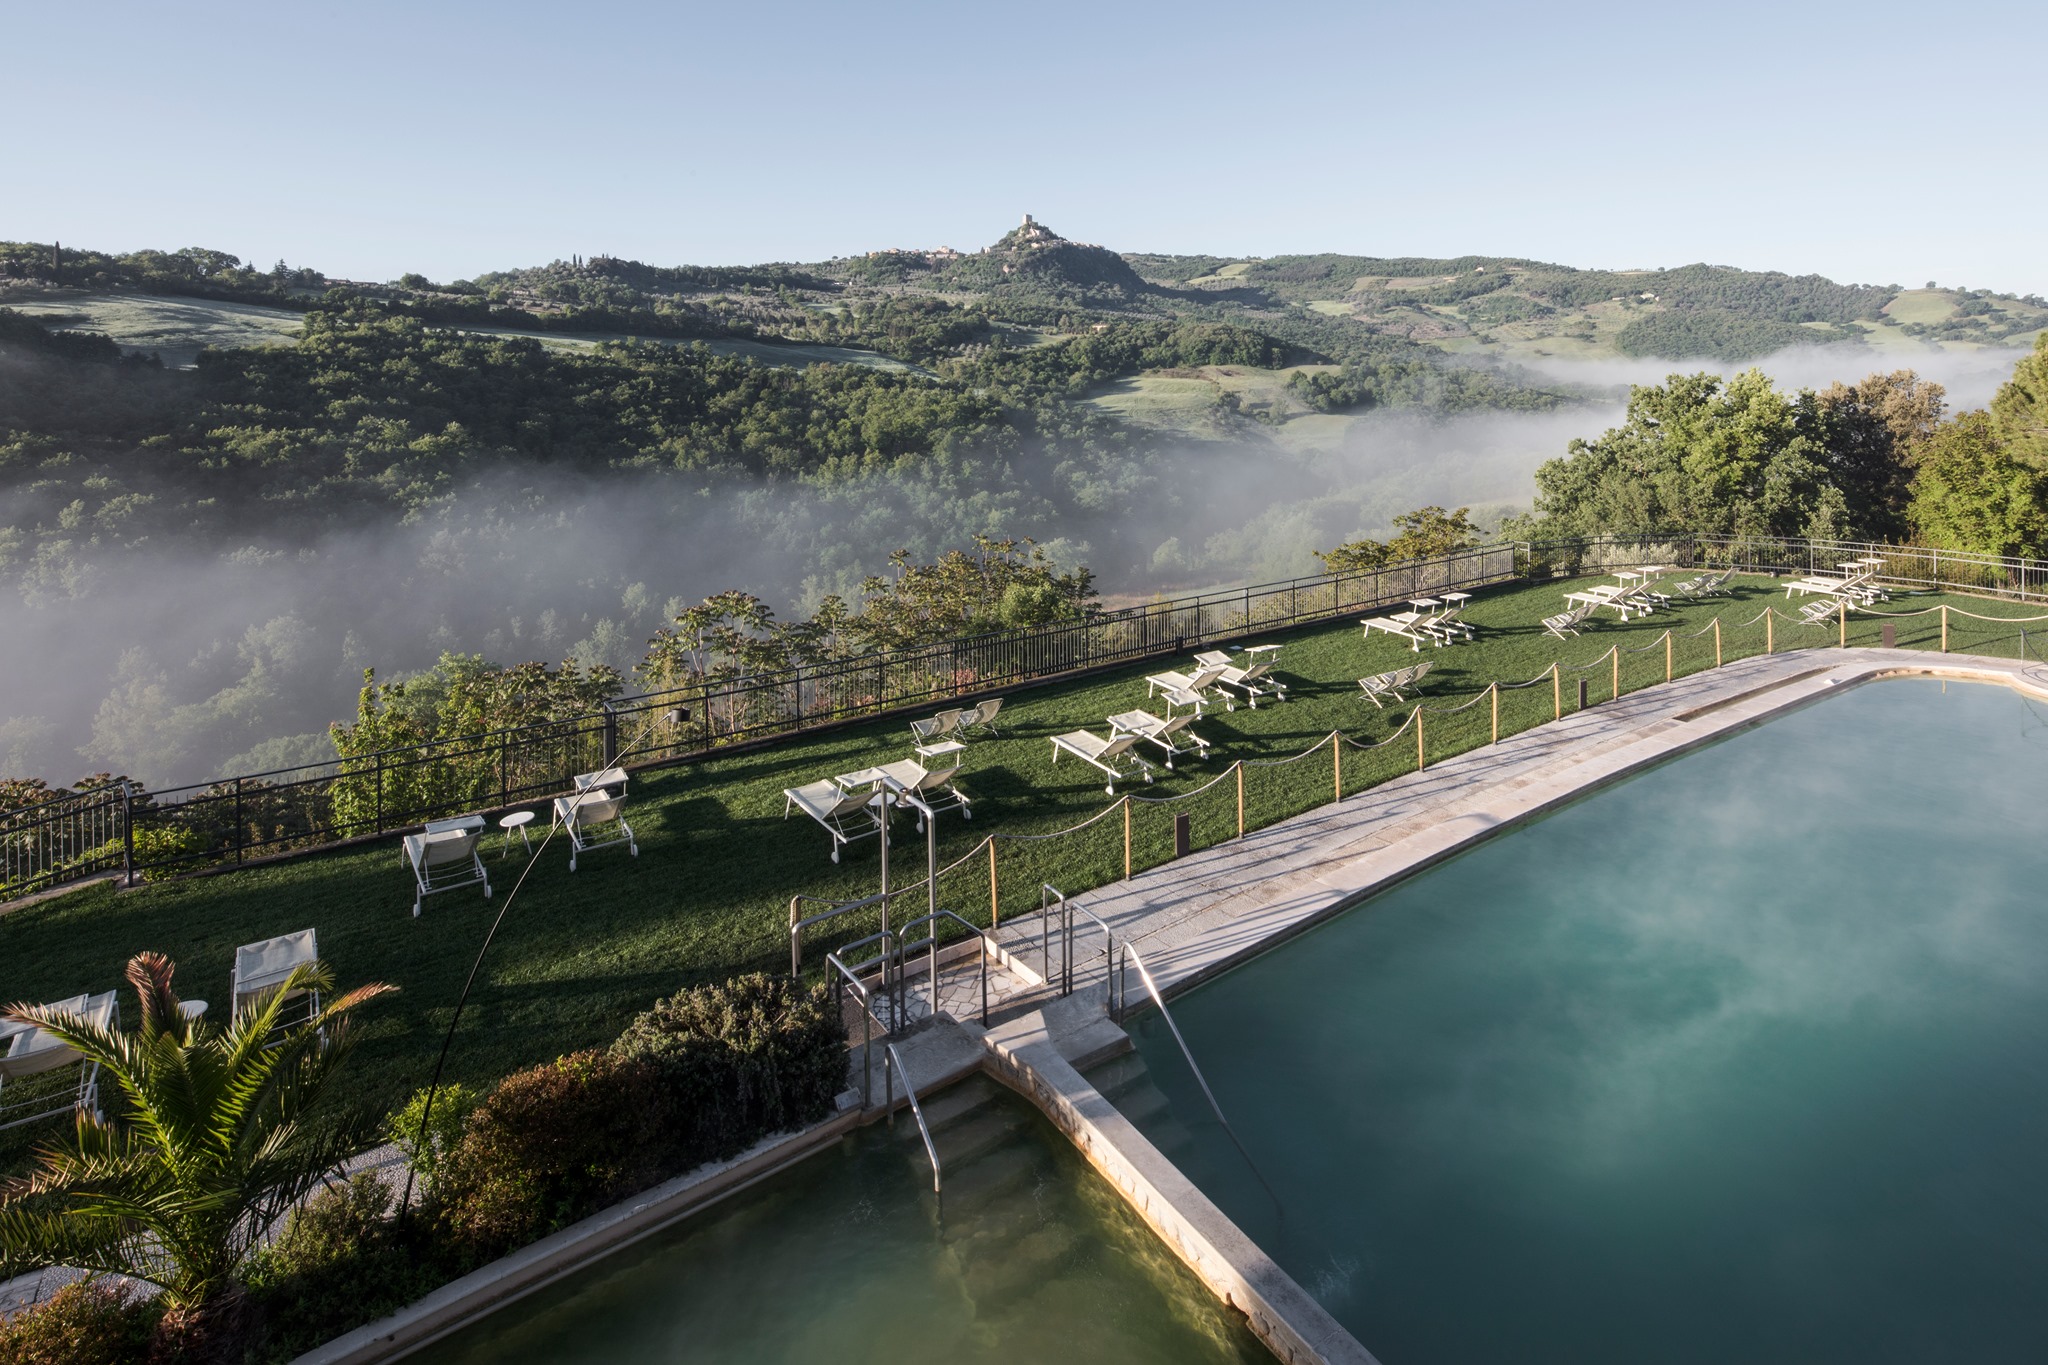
[{"x": 708, "y": 896}]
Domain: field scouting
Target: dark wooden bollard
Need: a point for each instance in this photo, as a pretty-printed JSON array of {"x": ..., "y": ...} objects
[
  {"x": 1582, "y": 694},
  {"x": 1183, "y": 840},
  {"x": 1891, "y": 635}
]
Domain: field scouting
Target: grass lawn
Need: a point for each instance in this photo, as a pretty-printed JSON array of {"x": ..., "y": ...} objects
[{"x": 708, "y": 896}]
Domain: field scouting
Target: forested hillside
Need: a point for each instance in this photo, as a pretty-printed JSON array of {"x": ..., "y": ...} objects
[{"x": 226, "y": 490}]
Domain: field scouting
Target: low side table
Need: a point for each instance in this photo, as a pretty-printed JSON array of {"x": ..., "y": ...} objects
[{"x": 519, "y": 820}]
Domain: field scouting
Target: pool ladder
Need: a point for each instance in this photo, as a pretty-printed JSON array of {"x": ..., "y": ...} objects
[{"x": 892, "y": 1058}]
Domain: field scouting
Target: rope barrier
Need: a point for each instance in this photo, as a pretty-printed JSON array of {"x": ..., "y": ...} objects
[{"x": 1336, "y": 739}]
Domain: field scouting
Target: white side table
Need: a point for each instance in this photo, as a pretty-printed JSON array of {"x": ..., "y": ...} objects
[{"x": 519, "y": 820}]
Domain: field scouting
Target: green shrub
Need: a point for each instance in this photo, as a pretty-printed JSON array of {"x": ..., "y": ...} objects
[
  {"x": 547, "y": 1147},
  {"x": 87, "y": 1323},
  {"x": 340, "y": 1262},
  {"x": 736, "y": 1061},
  {"x": 426, "y": 1150},
  {"x": 164, "y": 851}
]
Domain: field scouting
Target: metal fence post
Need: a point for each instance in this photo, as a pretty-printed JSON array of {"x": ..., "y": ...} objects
[
  {"x": 611, "y": 735},
  {"x": 127, "y": 833},
  {"x": 238, "y": 822}
]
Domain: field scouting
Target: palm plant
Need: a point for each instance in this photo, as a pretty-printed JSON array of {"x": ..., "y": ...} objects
[{"x": 209, "y": 1135}]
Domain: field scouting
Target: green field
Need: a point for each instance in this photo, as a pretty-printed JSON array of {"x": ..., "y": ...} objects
[
  {"x": 580, "y": 952},
  {"x": 177, "y": 329}
]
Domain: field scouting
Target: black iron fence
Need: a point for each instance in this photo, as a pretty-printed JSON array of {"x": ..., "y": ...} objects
[{"x": 123, "y": 829}]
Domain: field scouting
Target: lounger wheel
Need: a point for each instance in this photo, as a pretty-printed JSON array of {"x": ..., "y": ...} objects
[
  {"x": 633, "y": 849},
  {"x": 966, "y": 814},
  {"x": 835, "y": 853},
  {"x": 415, "y": 909},
  {"x": 1148, "y": 779},
  {"x": 1111, "y": 789},
  {"x": 572, "y": 864},
  {"x": 487, "y": 890}
]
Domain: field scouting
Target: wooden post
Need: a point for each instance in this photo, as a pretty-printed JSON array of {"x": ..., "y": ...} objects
[
  {"x": 1556, "y": 693},
  {"x": 1667, "y": 656},
  {"x": 1842, "y": 614},
  {"x": 1717, "y": 642},
  {"x": 1614, "y": 657},
  {"x": 1495, "y": 689},
  {"x": 1240, "y": 797},
  {"x": 1944, "y": 627},
  {"x": 1127, "y": 838},
  {"x": 1770, "y": 644},
  {"x": 1418, "y": 740},
  {"x": 1337, "y": 764},
  {"x": 995, "y": 908}
]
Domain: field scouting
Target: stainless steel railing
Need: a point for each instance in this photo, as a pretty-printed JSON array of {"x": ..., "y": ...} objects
[{"x": 892, "y": 1057}]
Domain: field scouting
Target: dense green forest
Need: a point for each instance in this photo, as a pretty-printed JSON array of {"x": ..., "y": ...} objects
[{"x": 1881, "y": 459}]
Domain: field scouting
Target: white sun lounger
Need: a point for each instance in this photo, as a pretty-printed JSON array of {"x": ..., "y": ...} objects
[
  {"x": 586, "y": 814},
  {"x": 927, "y": 791},
  {"x": 1254, "y": 682},
  {"x": 261, "y": 968},
  {"x": 1381, "y": 686},
  {"x": 446, "y": 856},
  {"x": 1106, "y": 754},
  {"x": 1181, "y": 689},
  {"x": 30, "y": 1051},
  {"x": 1449, "y": 625},
  {"x": 846, "y": 815},
  {"x": 1160, "y": 730},
  {"x": 982, "y": 716},
  {"x": 1568, "y": 622},
  {"x": 1820, "y": 613},
  {"x": 1406, "y": 624},
  {"x": 933, "y": 729}
]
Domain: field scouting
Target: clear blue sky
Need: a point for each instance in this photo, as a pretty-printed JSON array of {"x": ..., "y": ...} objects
[{"x": 1875, "y": 142}]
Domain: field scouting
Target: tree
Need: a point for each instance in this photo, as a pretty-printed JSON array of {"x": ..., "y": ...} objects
[
  {"x": 2020, "y": 408},
  {"x": 1868, "y": 432},
  {"x": 1969, "y": 493},
  {"x": 1430, "y": 531},
  {"x": 213, "y": 1133}
]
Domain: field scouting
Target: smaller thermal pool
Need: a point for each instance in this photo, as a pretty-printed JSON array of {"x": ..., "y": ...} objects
[{"x": 841, "y": 1259}]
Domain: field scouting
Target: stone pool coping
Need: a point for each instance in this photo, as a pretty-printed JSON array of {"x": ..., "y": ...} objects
[{"x": 1193, "y": 919}]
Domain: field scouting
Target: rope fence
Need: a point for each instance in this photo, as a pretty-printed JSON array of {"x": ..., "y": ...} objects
[{"x": 1135, "y": 833}]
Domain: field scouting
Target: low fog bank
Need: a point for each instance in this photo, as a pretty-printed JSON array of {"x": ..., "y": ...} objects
[
  {"x": 181, "y": 667},
  {"x": 1971, "y": 377}
]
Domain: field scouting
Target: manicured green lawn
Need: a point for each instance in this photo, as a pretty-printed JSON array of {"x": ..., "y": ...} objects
[{"x": 709, "y": 894}]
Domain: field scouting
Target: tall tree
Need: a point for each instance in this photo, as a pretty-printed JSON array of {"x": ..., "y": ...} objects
[
  {"x": 2020, "y": 409},
  {"x": 1969, "y": 493}
]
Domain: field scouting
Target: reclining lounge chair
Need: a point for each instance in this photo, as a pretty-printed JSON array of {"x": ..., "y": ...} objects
[
  {"x": 446, "y": 856},
  {"x": 845, "y": 815},
  {"x": 1107, "y": 754},
  {"x": 594, "y": 819},
  {"x": 1160, "y": 730}
]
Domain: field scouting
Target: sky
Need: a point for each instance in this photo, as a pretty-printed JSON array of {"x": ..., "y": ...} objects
[{"x": 1871, "y": 143}]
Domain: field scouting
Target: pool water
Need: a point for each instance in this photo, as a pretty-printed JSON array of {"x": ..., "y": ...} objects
[
  {"x": 1745, "y": 1058},
  {"x": 842, "y": 1258}
]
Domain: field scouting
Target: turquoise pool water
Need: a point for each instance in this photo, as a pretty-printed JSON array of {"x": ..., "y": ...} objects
[
  {"x": 841, "y": 1259},
  {"x": 1744, "y": 1059}
]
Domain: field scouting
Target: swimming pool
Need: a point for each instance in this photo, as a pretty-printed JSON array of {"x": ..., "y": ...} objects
[
  {"x": 841, "y": 1259},
  {"x": 1745, "y": 1058}
]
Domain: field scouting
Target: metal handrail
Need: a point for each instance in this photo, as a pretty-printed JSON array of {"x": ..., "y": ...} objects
[
  {"x": 797, "y": 924},
  {"x": 1152, "y": 988},
  {"x": 931, "y": 943},
  {"x": 924, "y": 1129},
  {"x": 1113, "y": 983},
  {"x": 868, "y": 1017}
]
